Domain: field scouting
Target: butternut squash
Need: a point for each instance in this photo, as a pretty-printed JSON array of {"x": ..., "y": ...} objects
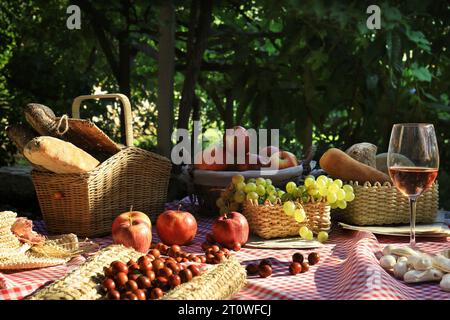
[
  {"x": 58, "y": 156},
  {"x": 340, "y": 165}
]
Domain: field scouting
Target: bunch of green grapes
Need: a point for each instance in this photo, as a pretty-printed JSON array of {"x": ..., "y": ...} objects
[
  {"x": 239, "y": 191},
  {"x": 321, "y": 189}
]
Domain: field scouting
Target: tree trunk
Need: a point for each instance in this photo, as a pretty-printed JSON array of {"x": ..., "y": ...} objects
[
  {"x": 195, "y": 48},
  {"x": 306, "y": 124},
  {"x": 166, "y": 63}
]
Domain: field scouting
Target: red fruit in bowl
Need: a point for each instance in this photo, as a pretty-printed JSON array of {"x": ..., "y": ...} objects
[
  {"x": 133, "y": 229},
  {"x": 282, "y": 160},
  {"x": 268, "y": 151},
  {"x": 231, "y": 228},
  {"x": 176, "y": 227}
]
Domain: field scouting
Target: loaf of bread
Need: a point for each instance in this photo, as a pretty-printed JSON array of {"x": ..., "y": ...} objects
[
  {"x": 82, "y": 133},
  {"x": 340, "y": 165},
  {"x": 58, "y": 156},
  {"x": 364, "y": 152}
]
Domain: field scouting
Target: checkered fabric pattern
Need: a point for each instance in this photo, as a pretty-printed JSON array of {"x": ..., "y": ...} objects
[{"x": 348, "y": 269}]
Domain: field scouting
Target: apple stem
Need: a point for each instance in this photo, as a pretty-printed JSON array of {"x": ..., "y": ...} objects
[
  {"x": 131, "y": 208},
  {"x": 179, "y": 206}
]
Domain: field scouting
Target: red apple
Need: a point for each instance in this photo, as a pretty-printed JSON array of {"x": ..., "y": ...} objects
[
  {"x": 211, "y": 158},
  {"x": 133, "y": 229},
  {"x": 231, "y": 228},
  {"x": 268, "y": 151},
  {"x": 282, "y": 160},
  {"x": 238, "y": 137},
  {"x": 176, "y": 227},
  {"x": 253, "y": 162}
]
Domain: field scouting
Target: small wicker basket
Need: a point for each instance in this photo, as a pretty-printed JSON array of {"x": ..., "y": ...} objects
[
  {"x": 86, "y": 204},
  {"x": 269, "y": 220},
  {"x": 384, "y": 204}
]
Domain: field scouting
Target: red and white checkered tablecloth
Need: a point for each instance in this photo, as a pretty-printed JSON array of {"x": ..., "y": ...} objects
[{"x": 348, "y": 269}]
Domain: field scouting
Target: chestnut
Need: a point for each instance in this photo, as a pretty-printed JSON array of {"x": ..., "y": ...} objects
[
  {"x": 313, "y": 258},
  {"x": 133, "y": 276},
  {"x": 121, "y": 278},
  {"x": 156, "y": 253},
  {"x": 185, "y": 275},
  {"x": 150, "y": 274},
  {"x": 144, "y": 282},
  {"x": 157, "y": 264},
  {"x": 175, "y": 248},
  {"x": 194, "y": 269},
  {"x": 205, "y": 246},
  {"x": 131, "y": 262},
  {"x": 305, "y": 266},
  {"x": 297, "y": 257},
  {"x": 185, "y": 260},
  {"x": 140, "y": 294},
  {"x": 214, "y": 248},
  {"x": 131, "y": 285},
  {"x": 164, "y": 249},
  {"x": 202, "y": 259},
  {"x": 108, "y": 271},
  {"x": 160, "y": 281},
  {"x": 129, "y": 296},
  {"x": 133, "y": 268},
  {"x": 252, "y": 269},
  {"x": 179, "y": 259},
  {"x": 237, "y": 246},
  {"x": 295, "y": 268},
  {"x": 156, "y": 293},
  {"x": 226, "y": 252},
  {"x": 165, "y": 272},
  {"x": 265, "y": 271},
  {"x": 109, "y": 284},
  {"x": 174, "y": 280},
  {"x": 173, "y": 266},
  {"x": 265, "y": 262},
  {"x": 144, "y": 269},
  {"x": 119, "y": 266},
  {"x": 144, "y": 261},
  {"x": 113, "y": 295}
]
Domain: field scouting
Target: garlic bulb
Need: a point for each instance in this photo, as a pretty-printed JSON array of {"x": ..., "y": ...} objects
[{"x": 387, "y": 262}]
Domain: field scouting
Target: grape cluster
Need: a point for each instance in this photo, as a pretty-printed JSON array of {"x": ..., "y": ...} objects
[
  {"x": 257, "y": 190},
  {"x": 260, "y": 190}
]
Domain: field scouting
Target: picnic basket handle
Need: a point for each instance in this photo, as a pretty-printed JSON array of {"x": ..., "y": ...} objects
[{"x": 117, "y": 96}]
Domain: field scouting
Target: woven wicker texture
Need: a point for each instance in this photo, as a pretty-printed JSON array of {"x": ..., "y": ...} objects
[
  {"x": 88, "y": 203},
  {"x": 270, "y": 221},
  {"x": 384, "y": 204},
  {"x": 218, "y": 283},
  {"x": 83, "y": 283}
]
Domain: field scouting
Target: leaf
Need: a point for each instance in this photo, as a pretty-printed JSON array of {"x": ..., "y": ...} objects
[
  {"x": 421, "y": 74},
  {"x": 418, "y": 38}
]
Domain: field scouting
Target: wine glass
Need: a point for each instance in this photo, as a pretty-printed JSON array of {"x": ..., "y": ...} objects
[{"x": 413, "y": 162}]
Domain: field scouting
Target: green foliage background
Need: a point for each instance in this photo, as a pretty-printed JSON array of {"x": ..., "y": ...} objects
[{"x": 271, "y": 64}]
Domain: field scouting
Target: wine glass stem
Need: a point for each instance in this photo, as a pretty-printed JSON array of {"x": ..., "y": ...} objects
[{"x": 412, "y": 222}]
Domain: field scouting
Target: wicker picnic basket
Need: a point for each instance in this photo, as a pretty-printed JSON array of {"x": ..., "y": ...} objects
[
  {"x": 269, "y": 220},
  {"x": 222, "y": 281},
  {"x": 383, "y": 204},
  {"x": 86, "y": 204}
]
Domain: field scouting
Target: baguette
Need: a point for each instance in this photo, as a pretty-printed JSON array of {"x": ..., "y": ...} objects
[
  {"x": 340, "y": 165},
  {"x": 58, "y": 156}
]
